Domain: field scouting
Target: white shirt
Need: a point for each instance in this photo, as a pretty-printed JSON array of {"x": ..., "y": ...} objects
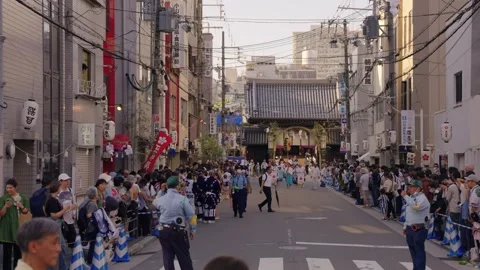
[
  {"x": 267, "y": 179},
  {"x": 316, "y": 172}
]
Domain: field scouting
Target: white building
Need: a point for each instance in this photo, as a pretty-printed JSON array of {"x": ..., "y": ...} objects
[
  {"x": 361, "y": 123},
  {"x": 262, "y": 67},
  {"x": 462, "y": 98}
]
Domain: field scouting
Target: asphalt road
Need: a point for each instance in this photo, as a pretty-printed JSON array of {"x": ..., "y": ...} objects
[{"x": 312, "y": 229}]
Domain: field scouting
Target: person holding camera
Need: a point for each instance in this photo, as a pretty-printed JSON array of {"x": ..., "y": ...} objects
[{"x": 176, "y": 214}]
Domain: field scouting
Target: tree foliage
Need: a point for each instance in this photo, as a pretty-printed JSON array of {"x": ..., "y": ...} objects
[
  {"x": 318, "y": 132},
  {"x": 210, "y": 150}
]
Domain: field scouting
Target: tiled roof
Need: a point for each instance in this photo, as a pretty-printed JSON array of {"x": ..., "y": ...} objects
[
  {"x": 292, "y": 99},
  {"x": 255, "y": 137}
]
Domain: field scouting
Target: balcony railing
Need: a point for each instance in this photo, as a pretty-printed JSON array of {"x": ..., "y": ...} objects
[{"x": 88, "y": 89}]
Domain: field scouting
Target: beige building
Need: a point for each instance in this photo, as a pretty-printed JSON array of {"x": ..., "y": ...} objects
[{"x": 422, "y": 88}]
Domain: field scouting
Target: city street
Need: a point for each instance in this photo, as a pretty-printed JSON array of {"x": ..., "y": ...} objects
[{"x": 319, "y": 230}]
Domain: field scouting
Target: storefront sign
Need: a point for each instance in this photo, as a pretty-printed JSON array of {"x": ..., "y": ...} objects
[
  {"x": 408, "y": 127},
  {"x": 86, "y": 134},
  {"x": 178, "y": 37}
]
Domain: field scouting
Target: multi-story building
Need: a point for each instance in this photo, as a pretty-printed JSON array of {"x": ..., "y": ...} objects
[
  {"x": 323, "y": 47},
  {"x": 462, "y": 92},
  {"x": 421, "y": 89},
  {"x": 297, "y": 72},
  {"x": 262, "y": 67},
  {"x": 361, "y": 120}
]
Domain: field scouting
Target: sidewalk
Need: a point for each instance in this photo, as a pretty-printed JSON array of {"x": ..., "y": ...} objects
[{"x": 433, "y": 247}]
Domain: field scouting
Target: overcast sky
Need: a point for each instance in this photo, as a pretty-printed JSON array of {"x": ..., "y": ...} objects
[{"x": 250, "y": 22}]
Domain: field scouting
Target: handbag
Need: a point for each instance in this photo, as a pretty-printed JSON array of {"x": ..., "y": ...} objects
[{"x": 23, "y": 218}]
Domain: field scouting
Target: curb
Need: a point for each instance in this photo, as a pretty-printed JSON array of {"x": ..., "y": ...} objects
[
  {"x": 438, "y": 243},
  {"x": 139, "y": 245}
]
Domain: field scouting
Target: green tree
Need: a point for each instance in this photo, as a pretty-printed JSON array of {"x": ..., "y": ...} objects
[{"x": 209, "y": 149}]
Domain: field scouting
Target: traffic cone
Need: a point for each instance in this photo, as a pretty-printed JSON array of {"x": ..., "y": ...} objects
[
  {"x": 446, "y": 233},
  {"x": 432, "y": 234},
  {"x": 99, "y": 261},
  {"x": 77, "y": 261},
  {"x": 121, "y": 248},
  {"x": 456, "y": 249},
  {"x": 403, "y": 214}
]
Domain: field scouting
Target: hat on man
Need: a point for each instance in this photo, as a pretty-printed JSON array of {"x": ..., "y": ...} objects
[
  {"x": 472, "y": 177},
  {"x": 63, "y": 177},
  {"x": 105, "y": 177},
  {"x": 172, "y": 181},
  {"x": 415, "y": 183}
]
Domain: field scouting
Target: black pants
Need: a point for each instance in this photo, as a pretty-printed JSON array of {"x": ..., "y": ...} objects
[
  {"x": 69, "y": 233},
  {"x": 238, "y": 201},
  {"x": 10, "y": 249},
  {"x": 144, "y": 222},
  {"x": 90, "y": 238},
  {"x": 268, "y": 200},
  {"x": 391, "y": 210},
  {"x": 175, "y": 243}
]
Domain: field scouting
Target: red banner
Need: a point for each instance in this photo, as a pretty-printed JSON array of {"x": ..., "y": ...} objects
[{"x": 161, "y": 143}]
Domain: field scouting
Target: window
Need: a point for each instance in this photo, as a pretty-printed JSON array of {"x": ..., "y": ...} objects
[
  {"x": 173, "y": 107},
  {"x": 458, "y": 87},
  {"x": 184, "y": 112},
  {"x": 404, "y": 96},
  {"x": 86, "y": 66}
]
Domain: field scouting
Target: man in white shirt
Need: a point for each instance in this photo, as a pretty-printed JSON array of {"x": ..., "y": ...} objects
[
  {"x": 66, "y": 198},
  {"x": 266, "y": 187},
  {"x": 315, "y": 176}
]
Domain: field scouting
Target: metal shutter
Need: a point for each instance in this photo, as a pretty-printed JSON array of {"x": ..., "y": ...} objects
[{"x": 83, "y": 171}]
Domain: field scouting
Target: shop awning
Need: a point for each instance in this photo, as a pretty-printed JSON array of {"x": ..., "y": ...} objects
[{"x": 364, "y": 157}]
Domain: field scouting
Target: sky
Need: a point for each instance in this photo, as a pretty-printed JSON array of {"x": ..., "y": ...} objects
[{"x": 252, "y": 22}]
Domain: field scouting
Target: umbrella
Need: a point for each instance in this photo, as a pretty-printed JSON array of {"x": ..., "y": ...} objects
[{"x": 276, "y": 196}]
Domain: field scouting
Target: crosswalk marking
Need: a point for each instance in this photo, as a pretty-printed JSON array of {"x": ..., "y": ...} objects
[
  {"x": 270, "y": 264},
  {"x": 367, "y": 265},
  {"x": 409, "y": 266},
  {"x": 175, "y": 263},
  {"x": 319, "y": 264}
]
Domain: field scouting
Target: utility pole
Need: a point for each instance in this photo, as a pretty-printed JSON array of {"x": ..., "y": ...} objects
[
  {"x": 200, "y": 63},
  {"x": 158, "y": 95},
  {"x": 223, "y": 86},
  {"x": 391, "y": 70},
  {"x": 348, "y": 133}
]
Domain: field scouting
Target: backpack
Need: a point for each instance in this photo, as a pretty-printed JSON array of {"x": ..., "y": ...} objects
[
  {"x": 260, "y": 179},
  {"x": 37, "y": 202},
  {"x": 86, "y": 225}
]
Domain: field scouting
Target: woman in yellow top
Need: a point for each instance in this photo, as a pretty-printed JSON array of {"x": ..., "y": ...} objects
[{"x": 12, "y": 204}]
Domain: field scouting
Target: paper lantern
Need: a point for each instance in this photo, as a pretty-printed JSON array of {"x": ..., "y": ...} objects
[
  {"x": 392, "y": 136},
  {"x": 29, "y": 114},
  {"x": 174, "y": 136},
  {"x": 446, "y": 131},
  {"x": 356, "y": 148},
  {"x": 410, "y": 158},
  {"x": 109, "y": 130},
  {"x": 379, "y": 142},
  {"x": 347, "y": 146},
  {"x": 426, "y": 158},
  {"x": 343, "y": 145},
  {"x": 365, "y": 145}
]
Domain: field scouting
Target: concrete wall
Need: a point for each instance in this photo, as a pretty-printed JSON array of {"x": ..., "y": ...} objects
[{"x": 23, "y": 75}]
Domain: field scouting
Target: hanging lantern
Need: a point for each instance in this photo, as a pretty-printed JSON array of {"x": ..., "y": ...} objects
[
  {"x": 379, "y": 141},
  {"x": 426, "y": 158},
  {"x": 343, "y": 145},
  {"x": 365, "y": 145},
  {"x": 174, "y": 136},
  {"x": 347, "y": 146},
  {"x": 392, "y": 136},
  {"x": 446, "y": 131},
  {"x": 356, "y": 148},
  {"x": 109, "y": 130},
  {"x": 29, "y": 114}
]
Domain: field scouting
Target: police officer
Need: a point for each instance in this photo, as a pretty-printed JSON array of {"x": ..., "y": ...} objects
[
  {"x": 239, "y": 185},
  {"x": 176, "y": 213},
  {"x": 418, "y": 209}
]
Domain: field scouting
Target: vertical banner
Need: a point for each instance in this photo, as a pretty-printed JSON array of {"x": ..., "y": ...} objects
[
  {"x": 178, "y": 37},
  {"x": 408, "y": 127},
  {"x": 160, "y": 144}
]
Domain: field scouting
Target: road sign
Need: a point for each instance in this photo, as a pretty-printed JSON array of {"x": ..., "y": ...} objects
[{"x": 344, "y": 120}]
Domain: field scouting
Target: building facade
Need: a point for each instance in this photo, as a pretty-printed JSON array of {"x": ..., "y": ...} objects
[
  {"x": 462, "y": 90},
  {"x": 290, "y": 109}
]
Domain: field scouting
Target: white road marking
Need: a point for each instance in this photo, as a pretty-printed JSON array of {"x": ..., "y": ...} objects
[
  {"x": 409, "y": 266},
  {"x": 290, "y": 237},
  {"x": 367, "y": 265},
  {"x": 319, "y": 264},
  {"x": 175, "y": 263},
  {"x": 350, "y": 245},
  {"x": 312, "y": 218},
  {"x": 270, "y": 264}
]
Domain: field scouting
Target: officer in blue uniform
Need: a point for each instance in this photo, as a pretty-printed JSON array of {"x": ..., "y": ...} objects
[
  {"x": 239, "y": 193},
  {"x": 418, "y": 210},
  {"x": 176, "y": 214}
]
